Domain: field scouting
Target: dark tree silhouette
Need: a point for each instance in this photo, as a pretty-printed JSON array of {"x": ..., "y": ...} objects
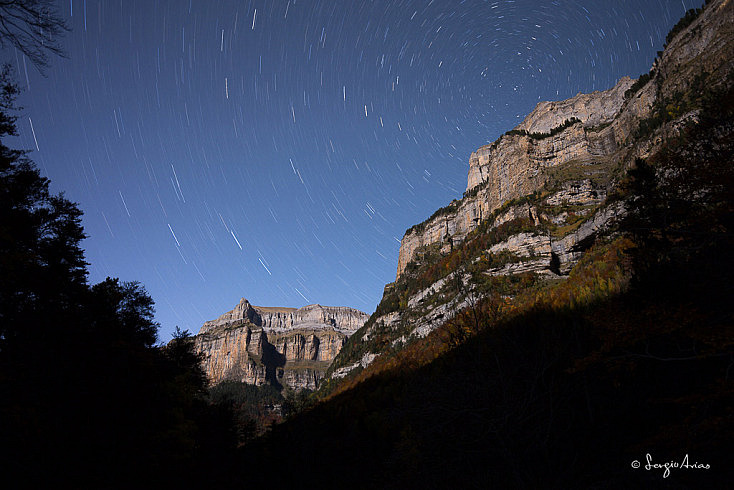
[
  {"x": 87, "y": 400},
  {"x": 126, "y": 310},
  {"x": 41, "y": 259},
  {"x": 33, "y": 27}
]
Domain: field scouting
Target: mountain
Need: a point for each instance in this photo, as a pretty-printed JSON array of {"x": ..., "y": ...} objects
[
  {"x": 568, "y": 322},
  {"x": 545, "y": 192},
  {"x": 279, "y": 346}
]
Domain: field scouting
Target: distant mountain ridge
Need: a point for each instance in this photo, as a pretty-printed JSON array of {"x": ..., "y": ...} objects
[
  {"x": 276, "y": 345},
  {"x": 275, "y": 318}
]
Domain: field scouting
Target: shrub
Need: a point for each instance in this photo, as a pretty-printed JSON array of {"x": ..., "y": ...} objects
[
  {"x": 639, "y": 83},
  {"x": 684, "y": 22}
]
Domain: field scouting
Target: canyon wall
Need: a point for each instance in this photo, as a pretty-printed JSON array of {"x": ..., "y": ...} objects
[
  {"x": 544, "y": 192},
  {"x": 280, "y": 346},
  {"x": 597, "y": 130}
]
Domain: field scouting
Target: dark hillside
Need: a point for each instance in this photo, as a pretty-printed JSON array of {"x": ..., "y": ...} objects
[{"x": 579, "y": 383}]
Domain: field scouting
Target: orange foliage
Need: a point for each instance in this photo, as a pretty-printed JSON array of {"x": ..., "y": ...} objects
[{"x": 602, "y": 272}]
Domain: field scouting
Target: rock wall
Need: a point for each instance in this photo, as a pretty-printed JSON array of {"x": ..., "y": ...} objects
[
  {"x": 593, "y": 109},
  {"x": 697, "y": 49},
  {"x": 515, "y": 161},
  {"x": 280, "y": 346},
  {"x": 233, "y": 354},
  {"x": 518, "y": 164},
  {"x": 278, "y": 319}
]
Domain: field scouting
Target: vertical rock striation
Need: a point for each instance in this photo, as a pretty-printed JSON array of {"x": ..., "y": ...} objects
[
  {"x": 280, "y": 346},
  {"x": 600, "y": 129}
]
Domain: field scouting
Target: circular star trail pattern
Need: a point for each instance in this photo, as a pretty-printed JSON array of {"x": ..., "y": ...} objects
[{"x": 278, "y": 150}]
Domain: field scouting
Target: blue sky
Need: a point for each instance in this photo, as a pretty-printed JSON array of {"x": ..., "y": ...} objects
[{"x": 278, "y": 150}]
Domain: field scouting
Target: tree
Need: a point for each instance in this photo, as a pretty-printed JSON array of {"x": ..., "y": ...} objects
[
  {"x": 33, "y": 27},
  {"x": 86, "y": 397},
  {"x": 123, "y": 310},
  {"x": 186, "y": 363},
  {"x": 41, "y": 259}
]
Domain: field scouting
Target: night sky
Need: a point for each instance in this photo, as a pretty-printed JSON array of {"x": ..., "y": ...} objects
[{"x": 278, "y": 150}]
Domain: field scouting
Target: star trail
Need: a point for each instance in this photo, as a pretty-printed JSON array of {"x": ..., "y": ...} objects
[{"x": 278, "y": 150}]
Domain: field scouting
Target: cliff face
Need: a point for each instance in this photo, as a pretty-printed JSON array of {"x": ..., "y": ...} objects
[
  {"x": 538, "y": 197},
  {"x": 593, "y": 109},
  {"x": 342, "y": 319},
  {"x": 519, "y": 163},
  {"x": 531, "y": 156},
  {"x": 281, "y": 346},
  {"x": 514, "y": 167}
]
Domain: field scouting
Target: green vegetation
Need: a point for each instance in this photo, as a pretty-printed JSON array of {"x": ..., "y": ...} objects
[
  {"x": 598, "y": 127},
  {"x": 539, "y": 136},
  {"x": 572, "y": 223},
  {"x": 698, "y": 96},
  {"x": 639, "y": 83},
  {"x": 632, "y": 349},
  {"x": 684, "y": 22},
  {"x": 86, "y": 396},
  {"x": 234, "y": 392},
  {"x": 474, "y": 190},
  {"x": 429, "y": 266},
  {"x": 598, "y": 171},
  {"x": 430, "y": 256},
  {"x": 576, "y": 215},
  {"x": 254, "y": 410},
  {"x": 436, "y": 266}
]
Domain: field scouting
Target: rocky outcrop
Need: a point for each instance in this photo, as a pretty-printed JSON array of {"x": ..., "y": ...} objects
[
  {"x": 706, "y": 46},
  {"x": 516, "y": 166},
  {"x": 593, "y": 109},
  {"x": 513, "y": 164},
  {"x": 366, "y": 360},
  {"x": 277, "y": 319},
  {"x": 280, "y": 346},
  {"x": 537, "y": 198},
  {"x": 528, "y": 158}
]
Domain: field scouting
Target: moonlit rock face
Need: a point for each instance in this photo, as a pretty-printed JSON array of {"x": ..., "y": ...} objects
[
  {"x": 513, "y": 154},
  {"x": 275, "y": 345},
  {"x": 592, "y": 109},
  {"x": 276, "y": 319},
  {"x": 242, "y": 312},
  {"x": 517, "y": 165}
]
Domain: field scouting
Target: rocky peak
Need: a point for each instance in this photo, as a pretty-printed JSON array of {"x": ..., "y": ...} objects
[
  {"x": 278, "y": 319},
  {"x": 592, "y": 109},
  {"x": 276, "y": 345},
  {"x": 242, "y": 312}
]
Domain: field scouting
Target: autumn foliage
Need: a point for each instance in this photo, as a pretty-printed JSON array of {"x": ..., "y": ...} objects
[{"x": 559, "y": 383}]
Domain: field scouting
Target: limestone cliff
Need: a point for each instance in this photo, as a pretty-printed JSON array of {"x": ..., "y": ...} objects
[
  {"x": 593, "y": 109},
  {"x": 587, "y": 136},
  {"x": 342, "y": 319},
  {"x": 281, "y": 346},
  {"x": 521, "y": 163},
  {"x": 544, "y": 192}
]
